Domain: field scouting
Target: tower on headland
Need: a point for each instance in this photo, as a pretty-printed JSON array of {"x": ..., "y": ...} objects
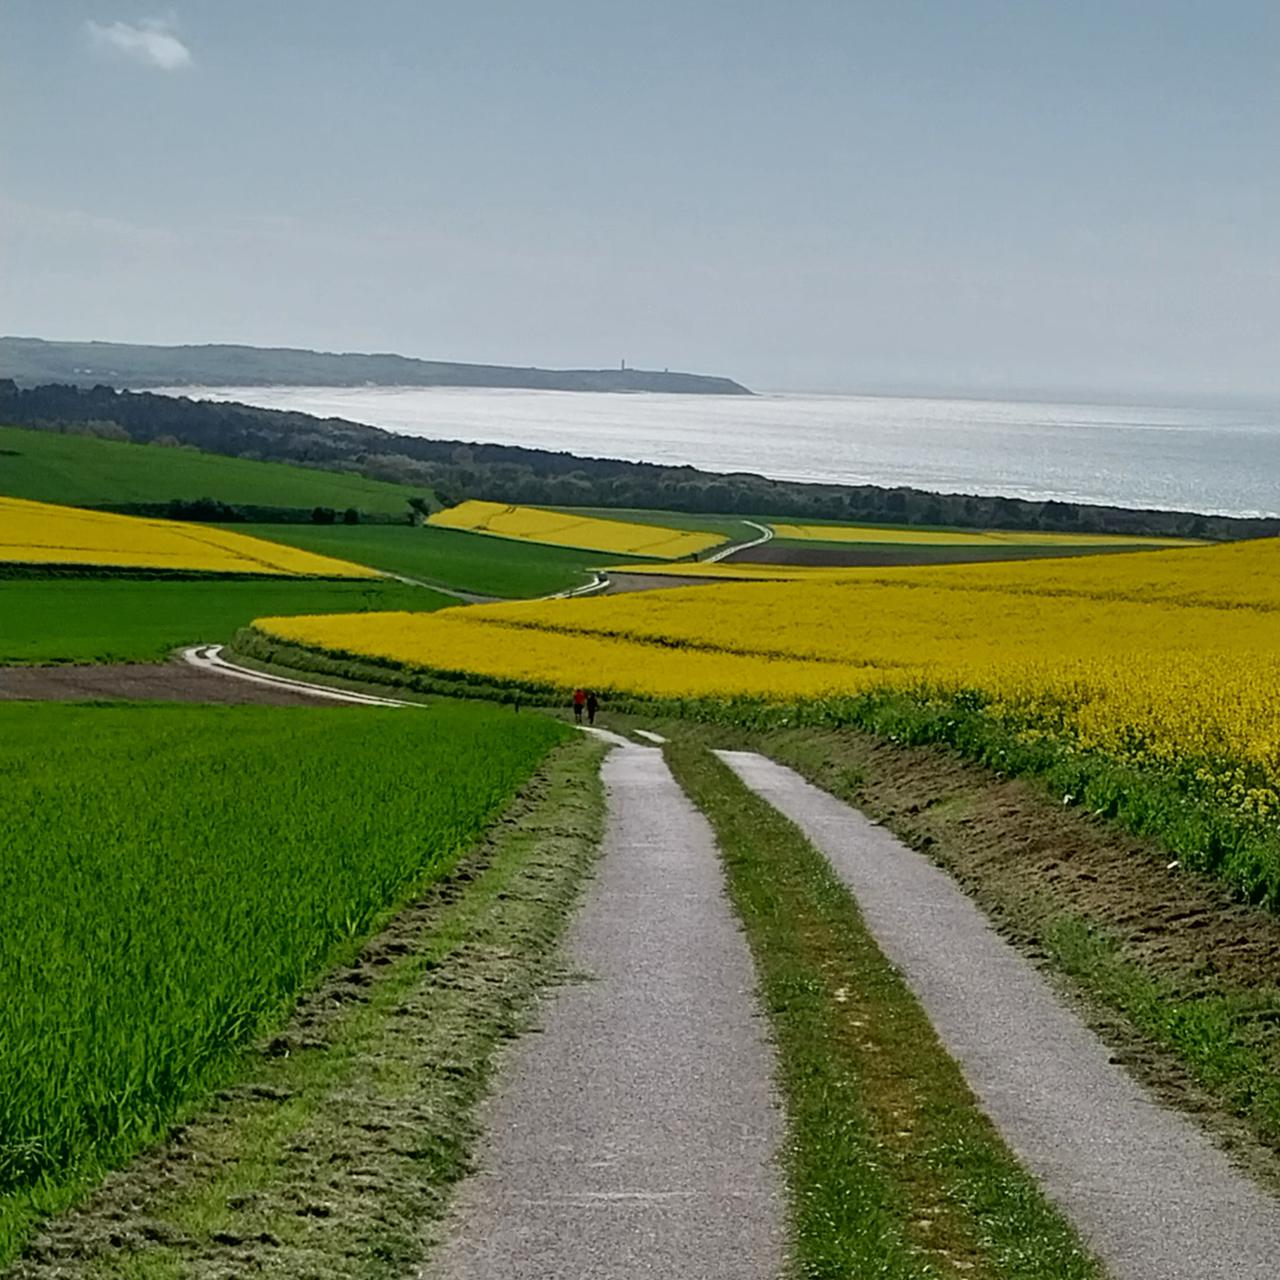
[{"x": 622, "y": 364}]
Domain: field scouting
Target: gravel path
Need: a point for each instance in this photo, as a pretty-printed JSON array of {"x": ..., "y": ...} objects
[
  {"x": 1149, "y": 1192},
  {"x": 636, "y": 1136}
]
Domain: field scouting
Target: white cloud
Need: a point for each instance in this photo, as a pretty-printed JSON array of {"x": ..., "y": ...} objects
[{"x": 152, "y": 42}]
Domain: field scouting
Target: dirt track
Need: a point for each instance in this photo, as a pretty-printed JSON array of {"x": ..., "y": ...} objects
[
  {"x": 1154, "y": 1197},
  {"x": 148, "y": 682},
  {"x": 638, "y": 1134}
]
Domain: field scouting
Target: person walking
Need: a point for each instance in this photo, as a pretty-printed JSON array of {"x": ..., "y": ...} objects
[
  {"x": 593, "y": 705},
  {"x": 579, "y": 701}
]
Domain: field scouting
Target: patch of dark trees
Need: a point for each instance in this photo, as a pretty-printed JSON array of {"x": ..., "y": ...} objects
[
  {"x": 215, "y": 511},
  {"x": 504, "y": 473}
]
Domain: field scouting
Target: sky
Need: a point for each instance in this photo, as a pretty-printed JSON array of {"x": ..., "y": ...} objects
[{"x": 964, "y": 196}]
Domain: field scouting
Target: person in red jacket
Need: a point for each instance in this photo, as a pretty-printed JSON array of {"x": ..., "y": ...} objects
[{"x": 579, "y": 701}]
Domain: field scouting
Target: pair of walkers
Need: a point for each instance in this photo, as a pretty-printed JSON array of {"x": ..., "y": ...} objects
[{"x": 585, "y": 700}]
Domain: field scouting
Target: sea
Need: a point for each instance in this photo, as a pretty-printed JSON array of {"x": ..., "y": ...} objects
[{"x": 1215, "y": 460}]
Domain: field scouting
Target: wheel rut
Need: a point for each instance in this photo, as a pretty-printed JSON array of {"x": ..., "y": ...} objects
[
  {"x": 1147, "y": 1189},
  {"x": 638, "y": 1134}
]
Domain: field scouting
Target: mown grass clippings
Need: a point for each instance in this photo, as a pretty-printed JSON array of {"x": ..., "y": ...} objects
[
  {"x": 892, "y": 1169},
  {"x": 173, "y": 888},
  {"x": 1226, "y": 1038},
  {"x": 334, "y": 1154}
]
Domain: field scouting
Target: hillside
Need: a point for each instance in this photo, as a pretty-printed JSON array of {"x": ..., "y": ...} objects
[
  {"x": 30, "y": 361},
  {"x": 82, "y": 471}
]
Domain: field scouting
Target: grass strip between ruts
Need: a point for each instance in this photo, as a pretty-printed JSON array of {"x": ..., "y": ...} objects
[
  {"x": 334, "y": 1154},
  {"x": 892, "y": 1169}
]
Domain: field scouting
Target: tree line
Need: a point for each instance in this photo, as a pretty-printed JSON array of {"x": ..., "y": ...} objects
[{"x": 455, "y": 470}]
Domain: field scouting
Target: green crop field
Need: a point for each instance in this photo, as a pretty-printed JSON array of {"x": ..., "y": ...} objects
[
  {"x": 443, "y": 557},
  {"x": 143, "y": 620},
  {"x": 81, "y": 471},
  {"x": 173, "y": 877}
]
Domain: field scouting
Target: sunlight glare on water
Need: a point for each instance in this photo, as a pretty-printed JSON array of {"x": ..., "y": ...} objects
[{"x": 1214, "y": 460}]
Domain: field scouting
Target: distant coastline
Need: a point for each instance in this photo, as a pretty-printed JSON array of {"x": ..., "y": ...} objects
[{"x": 35, "y": 361}]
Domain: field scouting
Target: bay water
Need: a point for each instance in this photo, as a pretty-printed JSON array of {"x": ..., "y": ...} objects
[{"x": 1218, "y": 460}]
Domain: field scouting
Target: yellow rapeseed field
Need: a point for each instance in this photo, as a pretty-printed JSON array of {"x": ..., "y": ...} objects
[
  {"x": 963, "y": 537},
  {"x": 40, "y": 533},
  {"x": 1153, "y": 656},
  {"x": 560, "y": 529}
]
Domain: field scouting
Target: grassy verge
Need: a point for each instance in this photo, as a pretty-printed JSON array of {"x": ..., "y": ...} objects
[
  {"x": 892, "y": 1169},
  {"x": 334, "y": 1153},
  {"x": 1178, "y": 803}
]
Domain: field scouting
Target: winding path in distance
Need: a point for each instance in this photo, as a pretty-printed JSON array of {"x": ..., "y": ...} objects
[
  {"x": 766, "y": 535},
  {"x": 637, "y": 1135},
  {"x": 208, "y": 657},
  {"x": 1149, "y": 1192}
]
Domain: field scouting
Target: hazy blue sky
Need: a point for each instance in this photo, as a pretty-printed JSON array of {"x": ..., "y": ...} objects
[{"x": 841, "y": 195}]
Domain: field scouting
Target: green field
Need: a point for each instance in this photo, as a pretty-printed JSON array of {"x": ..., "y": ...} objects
[
  {"x": 47, "y": 466},
  {"x": 143, "y": 620},
  {"x": 443, "y": 557},
  {"x": 167, "y": 893}
]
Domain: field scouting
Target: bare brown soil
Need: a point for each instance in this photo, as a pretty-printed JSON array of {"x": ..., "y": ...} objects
[
  {"x": 1021, "y": 854},
  {"x": 146, "y": 682},
  {"x": 624, "y": 582}
]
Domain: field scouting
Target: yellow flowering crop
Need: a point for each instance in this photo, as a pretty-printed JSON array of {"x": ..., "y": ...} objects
[
  {"x": 963, "y": 537},
  {"x": 1154, "y": 656},
  {"x": 40, "y": 533},
  {"x": 561, "y": 529}
]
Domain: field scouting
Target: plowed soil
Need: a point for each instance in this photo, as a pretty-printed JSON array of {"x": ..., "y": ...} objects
[{"x": 146, "y": 682}]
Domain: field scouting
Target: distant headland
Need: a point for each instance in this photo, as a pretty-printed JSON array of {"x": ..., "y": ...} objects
[{"x": 31, "y": 361}]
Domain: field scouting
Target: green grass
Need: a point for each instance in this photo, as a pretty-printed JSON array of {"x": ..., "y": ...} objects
[
  {"x": 167, "y": 893},
  {"x": 443, "y": 557},
  {"x": 892, "y": 1169},
  {"x": 49, "y": 620},
  {"x": 1224, "y": 1037},
  {"x": 446, "y": 984},
  {"x": 82, "y": 471}
]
